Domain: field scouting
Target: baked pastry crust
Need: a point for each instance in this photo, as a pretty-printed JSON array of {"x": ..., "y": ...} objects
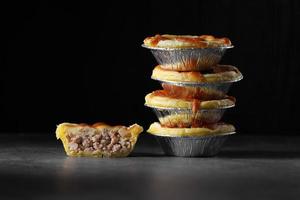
[
  {"x": 219, "y": 128},
  {"x": 219, "y": 73},
  {"x": 186, "y": 41},
  {"x": 63, "y": 130},
  {"x": 187, "y": 120},
  {"x": 155, "y": 100}
]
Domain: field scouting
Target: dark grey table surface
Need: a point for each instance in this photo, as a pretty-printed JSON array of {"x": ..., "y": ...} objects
[{"x": 248, "y": 167}]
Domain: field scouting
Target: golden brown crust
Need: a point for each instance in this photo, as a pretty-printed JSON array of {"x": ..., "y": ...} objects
[
  {"x": 188, "y": 120},
  {"x": 64, "y": 128},
  {"x": 219, "y": 128},
  {"x": 98, "y": 125},
  {"x": 155, "y": 100},
  {"x": 220, "y": 73},
  {"x": 186, "y": 41}
]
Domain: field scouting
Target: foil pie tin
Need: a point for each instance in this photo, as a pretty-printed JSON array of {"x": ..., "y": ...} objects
[
  {"x": 222, "y": 87},
  {"x": 200, "y": 146},
  {"x": 183, "y": 117},
  {"x": 205, "y": 89},
  {"x": 188, "y": 59}
]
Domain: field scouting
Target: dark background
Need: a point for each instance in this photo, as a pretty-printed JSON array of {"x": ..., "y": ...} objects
[{"x": 82, "y": 62}]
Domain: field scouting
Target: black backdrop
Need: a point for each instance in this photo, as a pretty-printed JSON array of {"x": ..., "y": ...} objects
[{"x": 82, "y": 62}]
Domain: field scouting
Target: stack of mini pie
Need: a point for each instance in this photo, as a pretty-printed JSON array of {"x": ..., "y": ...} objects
[{"x": 193, "y": 97}]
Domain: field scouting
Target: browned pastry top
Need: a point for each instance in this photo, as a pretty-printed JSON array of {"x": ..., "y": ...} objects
[{"x": 186, "y": 41}]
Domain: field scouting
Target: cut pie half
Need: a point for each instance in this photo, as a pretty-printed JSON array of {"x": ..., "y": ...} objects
[{"x": 98, "y": 140}]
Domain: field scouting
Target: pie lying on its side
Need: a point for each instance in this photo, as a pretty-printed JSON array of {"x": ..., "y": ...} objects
[
  {"x": 98, "y": 140},
  {"x": 186, "y": 41}
]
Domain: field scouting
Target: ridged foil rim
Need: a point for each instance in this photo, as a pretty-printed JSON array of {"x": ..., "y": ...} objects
[
  {"x": 198, "y": 137},
  {"x": 172, "y": 108},
  {"x": 197, "y": 84},
  {"x": 183, "y": 49}
]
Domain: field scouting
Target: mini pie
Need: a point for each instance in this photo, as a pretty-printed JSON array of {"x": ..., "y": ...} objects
[
  {"x": 161, "y": 98},
  {"x": 186, "y": 41},
  {"x": 218, "y": 73},
  {"x": 98, "y": 140},
  {"x": 213, "y": 129}
]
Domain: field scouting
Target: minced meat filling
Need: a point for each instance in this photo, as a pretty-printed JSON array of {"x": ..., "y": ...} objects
[{"x": 104, "y": 140}]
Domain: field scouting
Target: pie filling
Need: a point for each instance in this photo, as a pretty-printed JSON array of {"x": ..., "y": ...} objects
[{"x": 106, "y": 140}]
